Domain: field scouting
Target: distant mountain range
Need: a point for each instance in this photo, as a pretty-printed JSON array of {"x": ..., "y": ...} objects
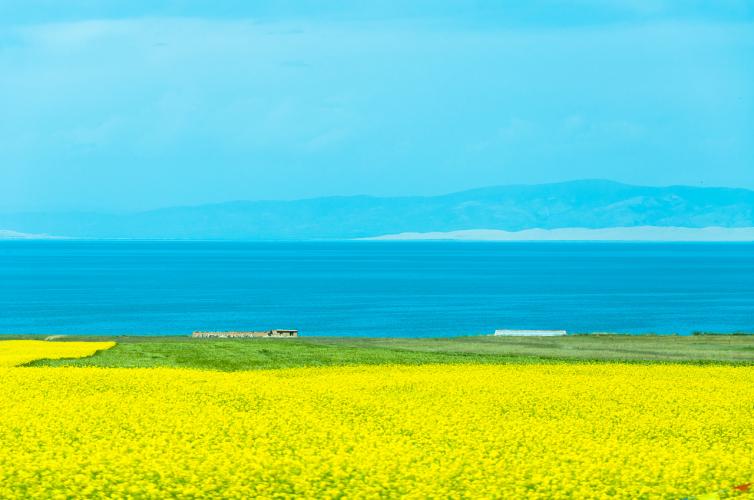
[{"x": 589, "y": 204}]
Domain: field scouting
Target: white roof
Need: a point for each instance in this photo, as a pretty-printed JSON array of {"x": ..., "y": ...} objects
[{"x": 531, "y": 333}]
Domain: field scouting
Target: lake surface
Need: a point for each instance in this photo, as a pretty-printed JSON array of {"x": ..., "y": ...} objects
[{"x": 402, "y": 289}]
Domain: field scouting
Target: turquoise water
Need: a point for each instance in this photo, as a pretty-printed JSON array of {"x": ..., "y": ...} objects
[{"x": 397, "y": 289}]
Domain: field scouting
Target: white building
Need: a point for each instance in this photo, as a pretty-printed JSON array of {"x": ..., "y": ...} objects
[{"x": 530, "y": 333}]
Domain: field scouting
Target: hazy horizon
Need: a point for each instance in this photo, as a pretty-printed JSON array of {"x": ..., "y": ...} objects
[{"x": 591, "y": 204}]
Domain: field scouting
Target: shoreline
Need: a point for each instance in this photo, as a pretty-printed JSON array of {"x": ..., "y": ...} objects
[{"x": 188, "y": 336}]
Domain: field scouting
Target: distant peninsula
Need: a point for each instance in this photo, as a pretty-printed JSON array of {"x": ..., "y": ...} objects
[
  {"x": 640, "y": 233},
  {"x": 568, "y": 210},
  {"x": 15, "y": 235}
]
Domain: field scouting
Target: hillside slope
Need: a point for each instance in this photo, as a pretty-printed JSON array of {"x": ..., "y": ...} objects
[{"x": 576, "y": 204}]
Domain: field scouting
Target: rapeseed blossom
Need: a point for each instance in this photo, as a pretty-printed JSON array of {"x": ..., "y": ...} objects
[
  {"x": 18, "y": 352},
  {"x": 476, "y": 431}
]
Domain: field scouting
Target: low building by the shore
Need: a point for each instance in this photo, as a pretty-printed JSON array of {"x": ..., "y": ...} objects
[
  {"x": 245, "y": 334},
  {"x": 530, "y": 333}
]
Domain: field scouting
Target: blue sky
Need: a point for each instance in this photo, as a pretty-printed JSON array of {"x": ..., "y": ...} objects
[{"x": 134, "y": 105}]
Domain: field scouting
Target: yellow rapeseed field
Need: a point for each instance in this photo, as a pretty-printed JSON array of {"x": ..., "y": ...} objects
[
  {"x": 516, "y": 431},
  {"x": 18, "y": 352}
]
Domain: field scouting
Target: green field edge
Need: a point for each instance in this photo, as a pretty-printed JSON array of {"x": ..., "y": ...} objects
[{"x": 256, "y": 354}]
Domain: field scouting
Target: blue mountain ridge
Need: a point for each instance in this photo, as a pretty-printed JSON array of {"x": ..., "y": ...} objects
[{"x": 582, "y": 204}]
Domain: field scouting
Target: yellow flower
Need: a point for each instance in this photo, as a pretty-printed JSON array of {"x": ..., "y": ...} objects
[
  {"x": 18, "y": 352},
  {"x": 479, "y": 431}
]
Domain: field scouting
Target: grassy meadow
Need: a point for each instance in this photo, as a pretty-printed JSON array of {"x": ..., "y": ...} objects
[{"x": 263, "y": 353}]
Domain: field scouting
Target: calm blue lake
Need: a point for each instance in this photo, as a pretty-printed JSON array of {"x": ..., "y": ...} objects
[{"x": 402, "y": 289}]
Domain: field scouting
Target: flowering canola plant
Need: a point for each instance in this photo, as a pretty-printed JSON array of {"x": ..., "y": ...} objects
[
  {"x": 18, "y": 352},
  {"x": 474, "y": 431}
]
